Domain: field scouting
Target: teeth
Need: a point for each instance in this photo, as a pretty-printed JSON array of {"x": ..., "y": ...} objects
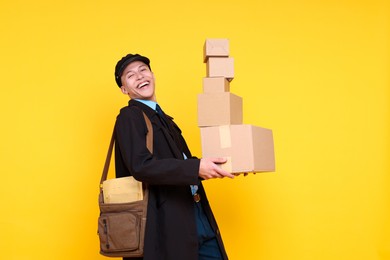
[{"x": 143, "y": 84}]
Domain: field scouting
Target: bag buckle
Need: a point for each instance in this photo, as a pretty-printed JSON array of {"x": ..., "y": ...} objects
[{"x": 196, "y": 197}]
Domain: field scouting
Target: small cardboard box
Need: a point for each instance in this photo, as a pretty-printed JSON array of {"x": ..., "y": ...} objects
[
  {"x": 248, "y": 148},
  {"x": 215, "y": 48},
  {"x": 222, "y": 108},
  {"x": 220, "y": 67},
  {"x": 216, "y": 85}
]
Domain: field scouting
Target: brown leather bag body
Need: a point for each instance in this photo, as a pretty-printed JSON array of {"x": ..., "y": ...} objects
[{"x": 121, "y": 226}]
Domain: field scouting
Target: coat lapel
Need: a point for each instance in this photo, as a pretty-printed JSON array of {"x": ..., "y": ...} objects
[{"x": 168, "y": 133}]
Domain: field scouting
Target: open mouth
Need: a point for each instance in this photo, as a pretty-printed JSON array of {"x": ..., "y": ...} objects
[{"x": 144, "y": 84}]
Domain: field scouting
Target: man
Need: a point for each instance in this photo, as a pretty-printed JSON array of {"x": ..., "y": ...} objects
[{"x": 180, "y": 224}]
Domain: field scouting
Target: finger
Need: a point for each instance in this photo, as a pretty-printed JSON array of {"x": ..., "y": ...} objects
[{"x": 224, "y": 173}]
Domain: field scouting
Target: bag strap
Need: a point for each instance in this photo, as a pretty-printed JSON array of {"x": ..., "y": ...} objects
[{"x": 149, "y": 145}]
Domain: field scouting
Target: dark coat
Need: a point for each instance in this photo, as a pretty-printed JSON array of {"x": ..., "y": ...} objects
[{"x": 170, "y": 228}]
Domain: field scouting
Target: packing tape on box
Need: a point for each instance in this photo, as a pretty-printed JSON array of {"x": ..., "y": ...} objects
[
  {"x": 225, "y": 136},
  {"x": 225, "y": 141}
]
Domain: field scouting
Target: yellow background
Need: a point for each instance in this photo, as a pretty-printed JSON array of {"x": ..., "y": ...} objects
[{"x": 316, "y": 72}]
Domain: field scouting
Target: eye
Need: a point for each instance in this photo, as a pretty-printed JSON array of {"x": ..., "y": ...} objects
[{"x": 130, "y": 75}]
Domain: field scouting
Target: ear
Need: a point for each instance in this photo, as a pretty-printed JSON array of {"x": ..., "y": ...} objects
[{"x": 124, "y": 91}]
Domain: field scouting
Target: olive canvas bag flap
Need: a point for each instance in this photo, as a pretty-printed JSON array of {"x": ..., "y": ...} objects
[{"x": 123, "y": 209}]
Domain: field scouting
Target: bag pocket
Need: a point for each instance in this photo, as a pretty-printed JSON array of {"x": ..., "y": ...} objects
[{"x": 119, "y": 232}]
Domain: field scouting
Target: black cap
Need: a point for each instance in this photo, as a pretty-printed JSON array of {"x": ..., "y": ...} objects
[{"x": 122, "y": 64}]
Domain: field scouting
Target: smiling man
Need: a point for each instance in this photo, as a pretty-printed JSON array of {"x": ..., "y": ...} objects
[{"x": 180, "y": 224}]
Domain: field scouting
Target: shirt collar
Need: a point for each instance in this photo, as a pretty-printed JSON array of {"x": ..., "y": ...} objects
[{"x": 149, "y": 103}]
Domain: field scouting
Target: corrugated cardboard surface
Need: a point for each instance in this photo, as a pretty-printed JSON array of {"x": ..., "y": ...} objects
[
  {"x": 215, "y": 85},
  {"x": 249, "y": 148},
  {"x": 216, "y": 48},
  {"x": 219, "y": 109},
  {"x": 220, "y": 67},
  {"x": 263, "y": 149}
]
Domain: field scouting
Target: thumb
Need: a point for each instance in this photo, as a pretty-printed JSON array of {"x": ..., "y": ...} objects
[{"x": 219, "y": 160}]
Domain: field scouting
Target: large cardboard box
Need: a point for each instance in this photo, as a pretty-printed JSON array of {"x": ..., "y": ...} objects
[
  {"x": 220, "y": 67},
  {"x": 248, "y": 148},
  {"x": 222, "y": 108},
  {"x": 215, "y": 85},
  {"x": 215, "y": 48}
]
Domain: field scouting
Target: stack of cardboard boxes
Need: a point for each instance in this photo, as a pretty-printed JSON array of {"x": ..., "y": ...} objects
[{"x": 248, "y": 148}]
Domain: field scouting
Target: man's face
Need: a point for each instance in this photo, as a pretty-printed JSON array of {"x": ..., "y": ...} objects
[{"x": 138, "y": 81}]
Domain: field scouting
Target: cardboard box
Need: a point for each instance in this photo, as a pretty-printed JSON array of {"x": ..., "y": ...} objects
[
  {"x": 220, "y": 67},
  {"x": 219, "y": 109},
  {"x": 215, "y": 48},
  {"x": 216, "y": 85},
  {"x": 248, "y": 148}
]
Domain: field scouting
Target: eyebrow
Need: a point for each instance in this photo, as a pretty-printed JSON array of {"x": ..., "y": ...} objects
[
  {"x": 140, "y": 66},
  {"x": 128, "y": 72}
]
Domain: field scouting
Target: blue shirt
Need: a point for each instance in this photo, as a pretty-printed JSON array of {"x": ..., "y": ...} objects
[{"x": 152, "y": 105}]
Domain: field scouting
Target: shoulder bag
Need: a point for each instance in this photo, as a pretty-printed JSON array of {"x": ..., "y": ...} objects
[{"x": 121, "y": 224}]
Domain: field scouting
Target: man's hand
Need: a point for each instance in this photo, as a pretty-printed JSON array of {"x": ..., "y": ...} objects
[{"x": 209, "y": 169}]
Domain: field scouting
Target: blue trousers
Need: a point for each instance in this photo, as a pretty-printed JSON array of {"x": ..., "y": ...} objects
[{"x": 208, "y": 244}]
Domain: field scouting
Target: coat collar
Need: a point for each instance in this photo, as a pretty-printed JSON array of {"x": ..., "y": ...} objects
[
  {"x": 152, "y": 115},
  {"x": 148, "y": 111}
]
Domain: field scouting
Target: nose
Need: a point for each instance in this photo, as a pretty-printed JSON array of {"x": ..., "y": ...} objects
[{"x": 139, "y": 75}]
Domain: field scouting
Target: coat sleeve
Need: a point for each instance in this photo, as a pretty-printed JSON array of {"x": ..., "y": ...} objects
[{"x": 130, "y": 132}]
